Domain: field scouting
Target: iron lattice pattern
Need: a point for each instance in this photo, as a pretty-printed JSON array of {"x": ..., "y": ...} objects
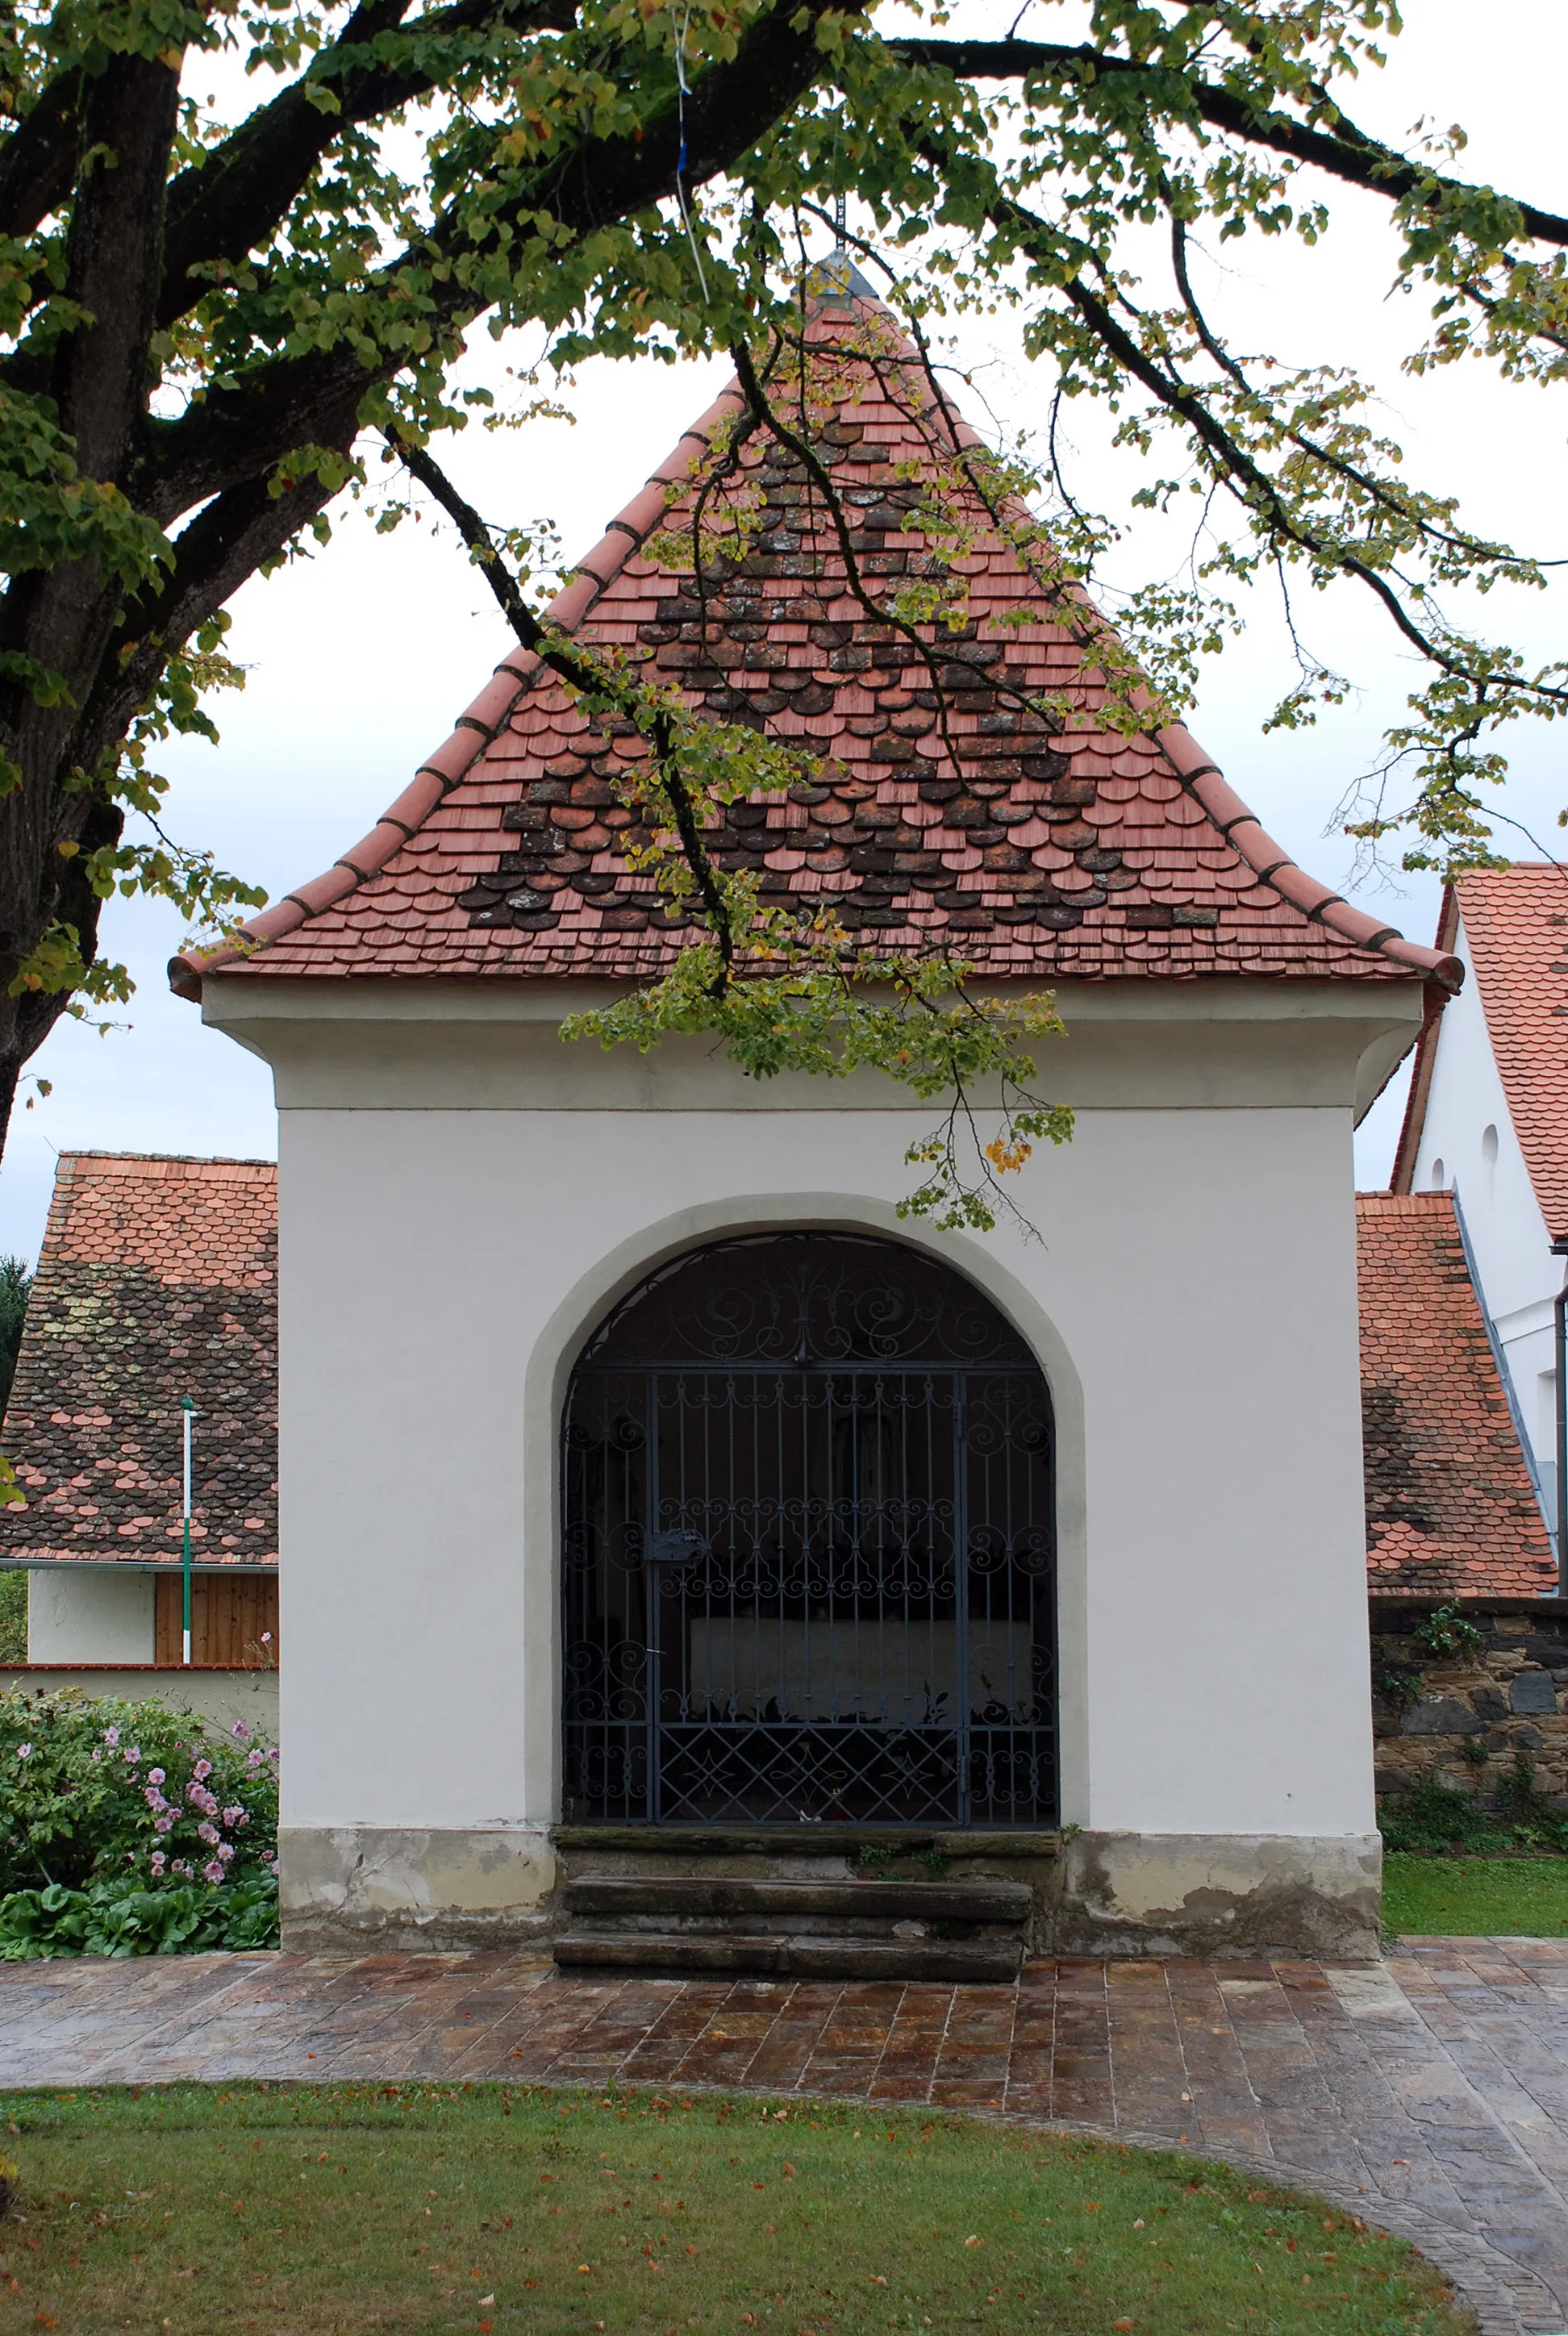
[{"x": 809, "y": 1560}]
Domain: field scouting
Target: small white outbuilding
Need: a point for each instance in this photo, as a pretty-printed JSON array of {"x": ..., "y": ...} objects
[{"x": 655, "y": 1500}]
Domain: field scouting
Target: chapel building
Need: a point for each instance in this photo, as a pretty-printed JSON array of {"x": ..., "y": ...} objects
[{"x": 722, "y": 1525}]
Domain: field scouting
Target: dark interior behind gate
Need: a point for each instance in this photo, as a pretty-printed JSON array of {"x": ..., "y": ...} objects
[{"x": 809, "y": 1550}]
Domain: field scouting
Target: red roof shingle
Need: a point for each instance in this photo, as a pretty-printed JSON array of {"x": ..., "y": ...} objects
[
  {"x": 158, "y": 1279},
  {"x": 1450, "y": 1507},
  {"x": 1037, "y": 847}
]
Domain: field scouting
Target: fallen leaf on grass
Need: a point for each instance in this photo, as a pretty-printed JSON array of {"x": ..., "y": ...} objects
[{"x": 974, "y": 2243}]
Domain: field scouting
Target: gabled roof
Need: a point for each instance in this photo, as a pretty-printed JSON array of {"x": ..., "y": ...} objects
[
  {"x": 1450, "y": 1507},
  {"x": 158, "y": 1279},
  {"x": 1516, "y": 926},
  {"x": 1054, "y": 848}
]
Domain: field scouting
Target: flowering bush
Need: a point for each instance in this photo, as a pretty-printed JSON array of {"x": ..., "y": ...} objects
[{"x": 104, "y": 1804}]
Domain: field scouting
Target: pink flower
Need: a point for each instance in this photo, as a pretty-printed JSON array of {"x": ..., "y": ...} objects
[
  {"x": 206, "y": 1832},
  {"x": 155, "y": 1775},
  {"x": 24, "y": 1751},
  {"x": 234, "y": 1815},
  {"x": 112, "y": 1736},
  {"x": 214, "y": 1871},
  {"x": 164, "y": 1824},
  {"x": 96, "y": 1754},
  {"x": 154, "y": 1798},
  {"x": 203, "y": 1770},
  {"x": 224, "y": 1851},
  {"x": 239, "y": 1730},
  {"x": 157, "y": 1861},
  {"x": 133, "y": 1754},
  {"x": 256, "y": 1756},
  {"x": 267, "y": 1638}
]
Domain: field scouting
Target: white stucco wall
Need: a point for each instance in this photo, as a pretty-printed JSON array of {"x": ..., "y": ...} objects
[
  {"x": 461, "y": 1204},
  {"x": 79, "y": 1614},
  {"x": 1519, "y": 1276}
]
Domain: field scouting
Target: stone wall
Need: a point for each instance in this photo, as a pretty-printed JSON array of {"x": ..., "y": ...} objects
[{"x": 1507, "y": 1695}]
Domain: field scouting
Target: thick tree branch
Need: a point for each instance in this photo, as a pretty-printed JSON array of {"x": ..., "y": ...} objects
[
  {"x": 290, "y": 402},
  {"x": 1346, "y": 152},
  {"x": 114, "y": 258},
  {"x": 64, "y": 615},
  {"x": 237, "y": 197},
  {"x": 38, "y": 158}
]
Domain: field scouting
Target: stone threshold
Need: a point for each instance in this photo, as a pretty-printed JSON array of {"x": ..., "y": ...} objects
[{"x": 811, "y": 1840}]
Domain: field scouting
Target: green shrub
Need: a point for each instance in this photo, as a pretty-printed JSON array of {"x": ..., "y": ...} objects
[
  {"x": 124, "y": 1829},
  {"x": 1446, "y": 1633},
  {"x": 12, "y": 1615},
  {"x": 122, "y": 1918},
  {"x": 1432, "y": 1815},
  {"x": 1523, "y": 1809}
]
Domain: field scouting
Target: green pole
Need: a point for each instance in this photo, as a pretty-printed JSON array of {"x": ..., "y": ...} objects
[{"x": 187, "y": 1411}]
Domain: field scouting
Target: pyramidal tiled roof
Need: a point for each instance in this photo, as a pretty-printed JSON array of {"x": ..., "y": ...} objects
[
  {"x": 1034, "y": 847},
  {"x": 1517, "y": 928}
]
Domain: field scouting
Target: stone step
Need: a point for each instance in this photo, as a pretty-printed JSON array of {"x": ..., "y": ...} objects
[
  {"x": 606, "y": 1896},
  {"x": 682, "y": 1952},
  {"x": 802, "y": 1840}
]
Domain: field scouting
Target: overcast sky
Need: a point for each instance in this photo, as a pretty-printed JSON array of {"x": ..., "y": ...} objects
[{"x": 358, "y": 659}]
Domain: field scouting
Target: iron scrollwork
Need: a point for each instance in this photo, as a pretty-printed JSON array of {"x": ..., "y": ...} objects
[{"x": 809, "y": 1556}]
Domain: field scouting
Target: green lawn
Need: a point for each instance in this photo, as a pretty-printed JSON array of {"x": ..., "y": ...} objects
[
  {"x": 1471, "y": 1897},
  {"x": 333, "y": 2211}
]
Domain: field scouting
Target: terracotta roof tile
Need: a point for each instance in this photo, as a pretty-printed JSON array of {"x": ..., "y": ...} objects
[
  {"x": 1449, "y": 1502},
  {"x": 158, "y": 1279},
  {"x": 1052, "y": 850}
]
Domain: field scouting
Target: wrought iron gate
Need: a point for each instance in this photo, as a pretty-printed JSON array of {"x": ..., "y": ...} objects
[{"x": 809, "y": 1551}]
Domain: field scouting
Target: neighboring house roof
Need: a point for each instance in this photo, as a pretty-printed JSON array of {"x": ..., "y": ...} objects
[
  {"x": 158, "y": 1279},
  {"x": 1450, "y": 1507},
  {"x": 1516, "y": 926},
  {"x": 1054, "y": 849}
]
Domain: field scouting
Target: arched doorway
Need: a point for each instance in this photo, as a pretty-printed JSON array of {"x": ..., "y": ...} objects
[{"x": 808, "y": 1558}]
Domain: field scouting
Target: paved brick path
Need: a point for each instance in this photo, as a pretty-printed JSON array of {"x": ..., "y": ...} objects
[{"x": 1431, "y": 2094}]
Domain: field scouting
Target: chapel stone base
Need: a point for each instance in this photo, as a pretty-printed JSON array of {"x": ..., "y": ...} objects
[
  {"x": 1220, "y": 1894},
  {"x": 345, "y": 1889}
]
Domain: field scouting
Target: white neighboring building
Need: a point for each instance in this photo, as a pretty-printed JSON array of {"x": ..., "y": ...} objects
[
  {"x": 1487, "y": 1120},
  {"x": 646, "y": 1479}
]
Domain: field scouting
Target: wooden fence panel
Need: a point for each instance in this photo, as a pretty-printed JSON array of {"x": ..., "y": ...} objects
[{"x": 228, "y": 1613}]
